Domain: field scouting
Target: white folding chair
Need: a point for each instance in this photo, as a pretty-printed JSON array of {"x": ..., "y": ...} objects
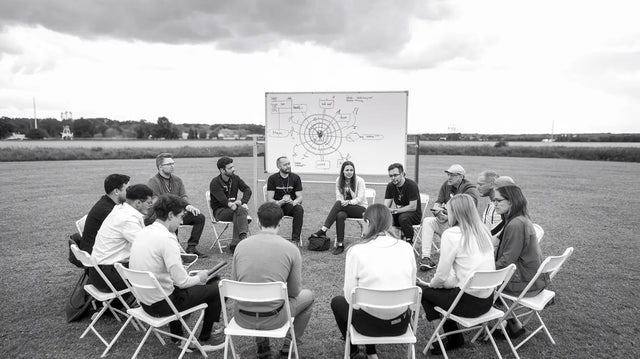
[
  {"x": 539, "y": 232},
  {"x": 264, "y": 200},
  {"x": 476, "y": 281},
  {"x": 188, "y": 259},
  {"x": 370, "y": 195},
  {"x": 103, "y": 297},
  {"x": 256, "y": 293},
  {"x": 80, "y": 224},
  {"x": 214, "y": 221},
  {"x": 146, "y": 282},
  {"x": 417, "y": 229},
  {"x": 533, "y": 305},
  {"x": 385, "y": 299}
]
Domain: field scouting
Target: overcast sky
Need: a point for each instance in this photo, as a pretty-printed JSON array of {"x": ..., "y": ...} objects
[{"x": 490, "y": 66}]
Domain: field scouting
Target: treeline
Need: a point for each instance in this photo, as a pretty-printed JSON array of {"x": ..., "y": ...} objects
[
  {"x": 107, "y": 128},
  {"x": 564, "y": 137}
]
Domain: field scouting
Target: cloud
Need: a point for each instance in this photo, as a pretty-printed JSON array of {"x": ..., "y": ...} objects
[{"x": 371, "y": 28}]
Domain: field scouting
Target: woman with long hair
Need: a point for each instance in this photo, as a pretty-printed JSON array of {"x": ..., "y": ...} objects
[
  {"x": 351, "y": 202},
  {"x": 517, "y": 244},
  {"x": 465, "y": 247},
  {"x": 378, "y": 261}
]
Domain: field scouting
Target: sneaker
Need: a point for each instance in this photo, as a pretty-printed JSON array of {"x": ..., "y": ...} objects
[
  {"x": 319, "y": 234},
  {"x": 497, "y": 334},
  {"x": 337, "y": 250},
  {"x": 426, "y": 263},
  {"x": 214, "y": 341},
  {"x": 193, "y": 250}
]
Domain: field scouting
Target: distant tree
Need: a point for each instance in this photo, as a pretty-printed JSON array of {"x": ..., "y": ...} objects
[
  {"x": 143, "y": 129},
  {"x": 6, "y": 127},
  {"x": 36, "y": 134},
  {"x": 192, "y": 134},
  {"x": 164, "y": 129},
  {"x": 202, "y": 135},
  {"x": 83, "y": 127},
  {"x": 52, "y": 126}
]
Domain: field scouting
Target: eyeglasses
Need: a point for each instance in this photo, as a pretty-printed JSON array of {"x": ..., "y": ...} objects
[
  {"x": 394, "y": 175},
  {"x": 168, "y": 164},
  {"x": 498, "y": 200}
]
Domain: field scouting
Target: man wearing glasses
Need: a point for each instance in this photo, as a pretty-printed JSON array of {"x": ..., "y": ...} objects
[
  {"x": 166, "y": 182},
  {"x": 455, "y": 184},
  {"x": 402, "y": 196}
]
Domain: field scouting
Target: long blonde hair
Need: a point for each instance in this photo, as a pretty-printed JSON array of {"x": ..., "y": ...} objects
[{"x": 463, "y": 213}]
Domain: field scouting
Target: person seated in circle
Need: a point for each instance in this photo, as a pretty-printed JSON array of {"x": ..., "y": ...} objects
[
  {"x": 466, "y": 247},
  {"x": 351, "y": 202},
  {"x": 380, "y": 261}
]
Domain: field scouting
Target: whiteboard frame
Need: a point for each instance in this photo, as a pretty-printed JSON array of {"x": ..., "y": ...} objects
[{"x": 406, "y": 121}]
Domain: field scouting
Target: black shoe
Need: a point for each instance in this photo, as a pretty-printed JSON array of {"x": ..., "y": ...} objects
[
  {"x": 426, "y": 263},
  {"x": 319, "y": 234},
  {"x": 193, "y": 250},
  {"x": 338, "y": 250},
  {"x": 242, "y": 236},
  {"x": 497, "y": 334},
  {"x": 449, "y": 344},
  {"x": 264, "y": 350},
  {"x": 232, "y": 248}
]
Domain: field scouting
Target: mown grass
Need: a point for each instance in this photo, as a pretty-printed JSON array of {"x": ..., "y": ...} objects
[
  {"x": 618, "y": 154},
  {"x": 592, "y": 206}
]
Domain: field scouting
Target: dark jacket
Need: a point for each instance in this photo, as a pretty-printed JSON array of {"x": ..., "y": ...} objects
[
  {"x": 220, "y": 193},
  {"x": 447, "y": 191},
  {"x": 96, "y": 216}
]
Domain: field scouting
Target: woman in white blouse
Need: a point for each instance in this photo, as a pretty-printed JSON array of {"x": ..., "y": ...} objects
[
  {"x": 351, "y": 202},
  {"x": 380, "y": 261},
  {"x": 465, "y": 247}
]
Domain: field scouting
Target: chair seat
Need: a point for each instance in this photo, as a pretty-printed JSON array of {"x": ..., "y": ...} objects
[
  {"x": 156, "y": 322},
  {"x": 357, "y": 338},
  {"x": 100, "y": 295},
  {"x": 249, "y": 219},
  {"x": 234, "y": 329},
  {"x": 536, "y": 303},
  {"x": 492, "y": 314}
]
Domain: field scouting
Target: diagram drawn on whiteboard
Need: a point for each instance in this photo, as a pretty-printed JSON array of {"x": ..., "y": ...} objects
[{"x": 319, "y": 136}]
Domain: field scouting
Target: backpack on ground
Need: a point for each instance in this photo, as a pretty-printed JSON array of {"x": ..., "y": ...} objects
[{"x": 79, "y": 301}]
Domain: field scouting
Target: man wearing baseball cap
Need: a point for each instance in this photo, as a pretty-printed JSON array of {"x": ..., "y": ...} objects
[{"x": 455, "y": 184}]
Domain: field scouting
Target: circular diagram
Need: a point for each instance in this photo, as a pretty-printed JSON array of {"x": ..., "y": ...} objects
[{"x": 320, "y": 134}]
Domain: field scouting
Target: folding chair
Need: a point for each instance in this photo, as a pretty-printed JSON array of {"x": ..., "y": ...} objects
[
  {"x": 476, "y": 281},
  {"x": 104, "y": 297},
  {"x": 385, "y": 299},
  {"x": 264, "y": 200},
  {"x": 80, "y": 224},
  {"x": 146, "y": 282},
  {"x": 539, "y": 232},
  {"x": 370, "y": 195},
  {"x": 214, "y": 221},
  {"x": 417, "y": 229},
  {"x": 533, "y": 305},
  {"x": 257, "y": 293}
]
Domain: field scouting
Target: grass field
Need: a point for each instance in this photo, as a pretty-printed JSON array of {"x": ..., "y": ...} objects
[{"x": 592, "y": 206}]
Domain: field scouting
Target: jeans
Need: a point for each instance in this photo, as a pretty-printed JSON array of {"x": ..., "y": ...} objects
[
  {"x": 297, "y": 212},
  {"x": 406, "y": 221},
  {"x": 239, "y": 219},
  {"x": 338, "y": 214}
]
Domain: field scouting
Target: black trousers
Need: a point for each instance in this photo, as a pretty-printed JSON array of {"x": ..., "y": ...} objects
[
  {"x": 338, "y": 214},
  {"x": 469, "y": 306},
  {"x": 198, "y": 226},
  {"x": 297, "y": 212},
  {"x": 185, "y": 298},
  {"x": 111, "y": 273},
  {"x": 406, "y": 221},
  {"x": 366, "y": 324}
]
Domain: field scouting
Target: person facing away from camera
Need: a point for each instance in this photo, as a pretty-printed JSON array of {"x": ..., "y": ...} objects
[
  {"x": 225, "y": 204},
  {"x": 351, "y": 202},
  {"x": 465, "y": 247},
  {"x": 379, "y": 261},
  {"x": 267, "y": 257},
  {"x": 284, "y": 188}
]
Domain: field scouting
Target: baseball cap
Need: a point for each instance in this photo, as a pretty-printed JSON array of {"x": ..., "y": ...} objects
[
  {"x": 455, "y": 169},
  {"x": 503, "y": 181}
]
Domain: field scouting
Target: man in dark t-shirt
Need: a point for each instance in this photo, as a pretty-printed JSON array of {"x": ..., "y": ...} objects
[
  {"x": 285, "y": 189},
  {"x": 402, "y": 196},
  {"x": 115, "y": 189}
]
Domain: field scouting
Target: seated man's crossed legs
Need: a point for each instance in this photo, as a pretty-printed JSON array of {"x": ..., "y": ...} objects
[{"x": 430, "y": 227}]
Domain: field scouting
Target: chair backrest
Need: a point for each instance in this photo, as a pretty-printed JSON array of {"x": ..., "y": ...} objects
[
  {"x": 253, "y": 292},
  {"x": 489, "y": 279},
  {"x": 207, "y": 196},
  {"x": 539, "y": 232},
  {"x": 424, "y": 200},
  {"x": 386, "y": 299},
  {"x": 264, "y": 193},
  {"x": 84, "y": 257},
  {"x": 143, "y": 282},
  {"x": 80, "y": 224},
  {"x": 552, "y": 264},
  {"x": 370, "y": 195}
]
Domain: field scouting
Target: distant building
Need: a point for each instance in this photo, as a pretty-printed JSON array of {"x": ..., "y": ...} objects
[
  {"x": 226, "y": 134},
  {"x": 16, "y": 136},
  {"x": 66, "y": 133}
]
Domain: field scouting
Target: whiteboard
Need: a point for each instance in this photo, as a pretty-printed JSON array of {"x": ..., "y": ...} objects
[{"x": 318, "y": 131}]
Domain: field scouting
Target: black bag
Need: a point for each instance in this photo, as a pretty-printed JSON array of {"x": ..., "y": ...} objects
[
  {"x": 79, "y": 301},
  {"x": 319, "y": 243},
  {"x": 74, "y": 239}
]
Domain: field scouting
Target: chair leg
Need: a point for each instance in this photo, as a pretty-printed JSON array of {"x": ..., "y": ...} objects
[
  {"x": 545, "y": 329},
  {"x": 144, "y": 339},
  {"x": 493, "y": 342},
  {"x": 113, "y": 341}
]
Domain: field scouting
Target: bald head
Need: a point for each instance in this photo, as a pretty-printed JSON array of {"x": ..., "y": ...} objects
[{"x": 486, "y": 180}]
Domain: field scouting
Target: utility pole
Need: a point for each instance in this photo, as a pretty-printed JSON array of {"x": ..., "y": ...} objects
[{"x": 35, "y": 118}]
